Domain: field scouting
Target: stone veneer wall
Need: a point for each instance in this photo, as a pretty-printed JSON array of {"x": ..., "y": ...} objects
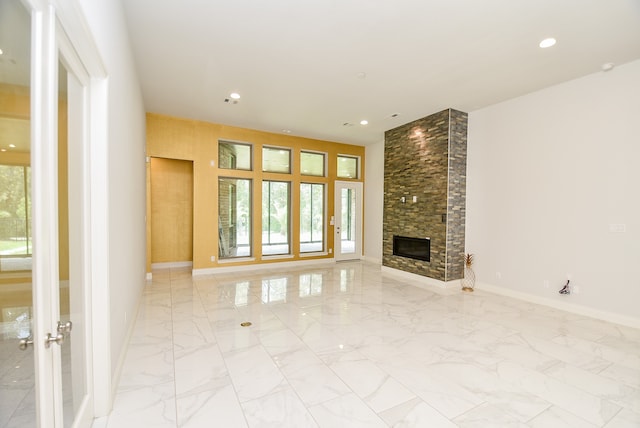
[{"x": 427, "y": 158}]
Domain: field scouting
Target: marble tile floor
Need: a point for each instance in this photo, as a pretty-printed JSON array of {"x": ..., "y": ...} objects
[{"x": 343, "y": 345}]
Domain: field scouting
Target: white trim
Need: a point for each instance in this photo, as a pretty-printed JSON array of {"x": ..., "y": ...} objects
[
  {"x": 422, "y": 281},
  {"x": 117, "y": 370},
  {"x": 373, "y": 260},
  {"x": 44, "y": 121},
  {"x": 168, "y": 265},
  {"x": 101, "y": 295},
  {"x": 236, "y": 260},
  {"x": 314, "y": 254},
  {"x": 265, "y": 266},
  {"x": 563, "y": 306},
  {"x": 277, "y": 257}
]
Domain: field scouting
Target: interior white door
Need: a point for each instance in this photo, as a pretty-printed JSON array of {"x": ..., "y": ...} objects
[
  {"x": 59, "y": 340},
  {"x": 348, "y": 220}
]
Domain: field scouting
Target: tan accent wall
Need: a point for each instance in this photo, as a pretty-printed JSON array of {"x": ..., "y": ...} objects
[
  {"x": 171, "y": 210},
  {"x": 197, "y": 141}
]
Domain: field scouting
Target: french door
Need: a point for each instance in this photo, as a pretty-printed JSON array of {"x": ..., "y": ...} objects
[
  {"x": 50, "y": 335},
  {"x": 348, "y": 220}
]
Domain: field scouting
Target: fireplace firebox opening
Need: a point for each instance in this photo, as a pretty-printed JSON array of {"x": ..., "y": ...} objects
[{"x": 414, "y": 248}]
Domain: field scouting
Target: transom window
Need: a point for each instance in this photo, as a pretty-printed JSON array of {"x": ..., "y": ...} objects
[
  {"x": 234, "y": 155},
  {"x": 276, "y": 160},
  {"x": 312, "y": 164},
  {"x": 347, "y": 166}
]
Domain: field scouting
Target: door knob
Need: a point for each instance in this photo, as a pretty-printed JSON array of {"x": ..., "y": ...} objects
[
  {"x": 24, "y": 343},
  {"x": 65, "y": 328},
  {"x": 58, "y": 338}
]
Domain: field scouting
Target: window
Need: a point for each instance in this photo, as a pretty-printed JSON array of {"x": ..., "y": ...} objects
[
  {"x": 347, "y": 166},
  {"x": 275, "y": 217},
  {"x": 311, "y": 217},
  {"x": 234, "y": 155},
  {"x": 276, "y": 160},
  {"x": 312, "y": 164},
  {"x": 234, "y": 218},
  {"x": 15, "y": 221}
]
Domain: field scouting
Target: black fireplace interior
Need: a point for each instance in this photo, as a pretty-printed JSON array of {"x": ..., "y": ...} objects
[{"x": 414, "y": 248}]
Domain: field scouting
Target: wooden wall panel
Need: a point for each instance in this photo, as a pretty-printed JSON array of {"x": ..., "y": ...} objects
[{"x": 171, "y": 210}]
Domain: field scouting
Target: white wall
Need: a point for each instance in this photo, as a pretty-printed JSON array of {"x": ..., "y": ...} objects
[
  {"x": 126, "y": 169},
  {"x": 373, "y": 201},
  {"x": 548, "y": 173}
]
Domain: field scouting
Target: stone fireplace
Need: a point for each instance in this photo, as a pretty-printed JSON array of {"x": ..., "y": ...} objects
[{"x": 424, "y": 194}]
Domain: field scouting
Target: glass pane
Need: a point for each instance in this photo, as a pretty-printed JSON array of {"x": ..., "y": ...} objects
[
  {"x": 234, "y": 155},
  {"x": 275, "y": 217},
  {"x": 311, "y": 217},
  {"x": 234, "y": 218},
  {"x": 17, "y": 375},
  {"x": 348, "y": 231},
  {"x": 312, "y": 164},
  {"x": 71, "y": 108},
  {"x": 15, "y": 209},
  {"x": 347, "y": 167},
  {"x": 276, "y": 160}
]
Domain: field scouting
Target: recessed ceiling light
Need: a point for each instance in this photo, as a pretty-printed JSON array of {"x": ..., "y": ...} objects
[
  {"x": 608, "y": 66},
  {"x": 235, "y": 96},
  {"x": 364, "y": 122},
  {"x": 13, "y": 146},
  {"x": 547, "y": 43},
  {"x": 3, "y": 150},
  {"x": 1, "y": 51}
]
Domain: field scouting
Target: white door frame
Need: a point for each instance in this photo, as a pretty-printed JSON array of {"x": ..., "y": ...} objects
[{"x": 357, "y": 187}]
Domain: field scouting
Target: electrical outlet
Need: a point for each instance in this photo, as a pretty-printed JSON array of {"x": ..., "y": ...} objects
[
  {"x": 330, "y": 250},
  {"x": 617, "y": 228},
  {"x": 498, "y": 275},
  {"x": 213, "y": 258},
  {"x": 545, "y": 283}
]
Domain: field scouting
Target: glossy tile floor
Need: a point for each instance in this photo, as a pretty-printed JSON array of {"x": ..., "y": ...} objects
[{"x": 343, "y": 345}]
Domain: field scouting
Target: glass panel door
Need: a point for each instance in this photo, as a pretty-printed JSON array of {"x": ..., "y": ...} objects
[
  {"x": 348, "y": 220},
  {"x": 17, "y": 370}
]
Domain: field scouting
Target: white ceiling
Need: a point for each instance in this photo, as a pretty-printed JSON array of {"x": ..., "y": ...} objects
[{"x": 297, "y": 63}]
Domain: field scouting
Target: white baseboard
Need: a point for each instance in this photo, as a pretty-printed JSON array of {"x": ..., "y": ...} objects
[
  {"x": 168, "y": 265},
  {"x": 372, "y": 260},
  {"x": 262, "y": 266},
  {"x": 115, "y": 380},
  {"x": 423, "y": 281},
  {"x": 564, "y": 306}
]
